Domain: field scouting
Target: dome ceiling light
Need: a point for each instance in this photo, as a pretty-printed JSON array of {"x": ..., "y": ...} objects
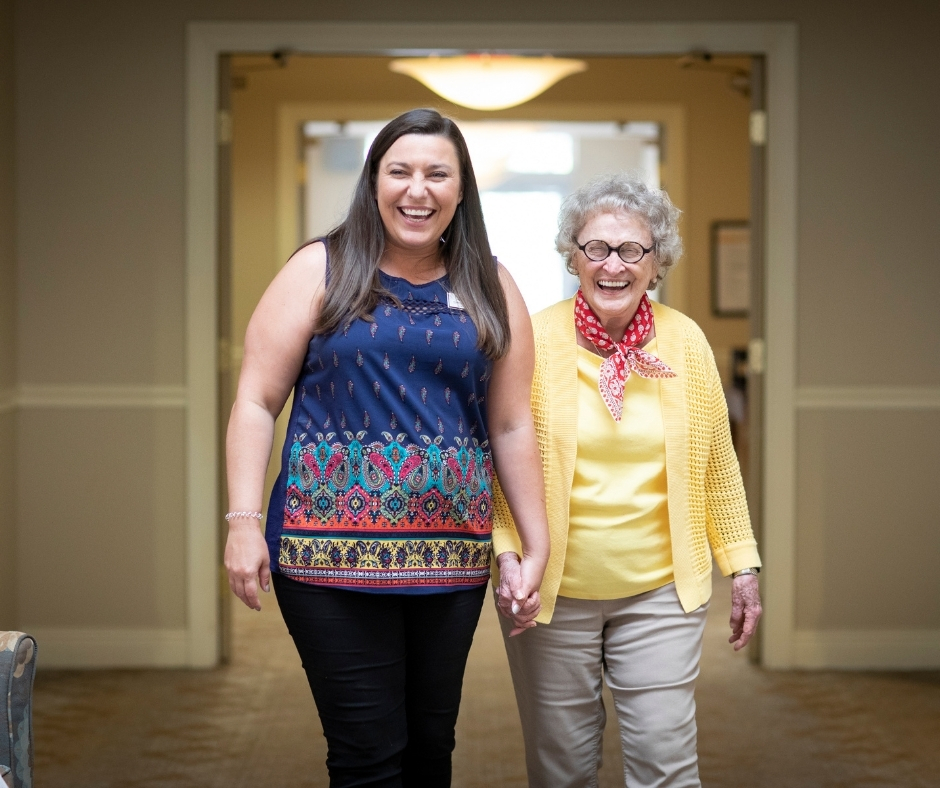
[{"x": 487, "y": 82}]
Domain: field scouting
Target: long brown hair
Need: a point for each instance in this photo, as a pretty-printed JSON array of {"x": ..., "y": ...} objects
[{"x": 354, "y": 288}]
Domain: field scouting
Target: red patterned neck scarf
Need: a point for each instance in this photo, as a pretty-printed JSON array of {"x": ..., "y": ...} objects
[{"x": 627, "y": 356}]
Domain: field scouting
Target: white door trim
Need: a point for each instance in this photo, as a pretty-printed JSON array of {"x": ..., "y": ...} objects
[{"x": 207, "y": 40}]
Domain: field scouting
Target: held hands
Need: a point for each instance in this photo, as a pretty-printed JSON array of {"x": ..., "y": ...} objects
[
  {"x": 519, "y": 591},
  {"x": 745, "y": 610},
  {"x": 246, "y": 560}
]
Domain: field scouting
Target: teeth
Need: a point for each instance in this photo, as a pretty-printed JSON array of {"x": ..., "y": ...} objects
[
  {"x": 417, "y": 213},
  {"x": 607, "y": 283}
]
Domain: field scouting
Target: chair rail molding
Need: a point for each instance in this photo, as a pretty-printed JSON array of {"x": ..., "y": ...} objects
[
  {"x": 100, "y": 396},
  {"x": 868, "y": 397}
]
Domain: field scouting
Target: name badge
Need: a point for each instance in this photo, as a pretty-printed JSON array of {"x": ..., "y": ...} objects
[{"x": 453, "y": 302}]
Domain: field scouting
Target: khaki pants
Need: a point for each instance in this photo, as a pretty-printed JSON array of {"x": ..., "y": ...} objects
[{"x": 649, "y": 650}]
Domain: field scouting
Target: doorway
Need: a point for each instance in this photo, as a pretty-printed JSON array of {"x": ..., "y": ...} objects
[
  {"x": 292, "y": 181},
  {"x": 207, "y": 41}
]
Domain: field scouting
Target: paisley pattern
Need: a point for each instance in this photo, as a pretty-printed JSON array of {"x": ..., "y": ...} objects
[
  {"x": 627, "y": 356},
  {"x": 376, "y": 503},
  {"x": 388, "y": 484},
  {"x": 386, "y": 474}
]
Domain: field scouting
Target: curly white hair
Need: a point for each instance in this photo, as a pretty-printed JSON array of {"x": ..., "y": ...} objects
[{"x": 621, "y": 193}]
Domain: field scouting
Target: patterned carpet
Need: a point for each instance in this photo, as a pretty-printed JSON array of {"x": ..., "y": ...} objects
[{"x": 253, "y": 723}]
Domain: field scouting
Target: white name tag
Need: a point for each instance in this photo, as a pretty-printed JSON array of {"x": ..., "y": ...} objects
[{"x": 453, "y": 302}]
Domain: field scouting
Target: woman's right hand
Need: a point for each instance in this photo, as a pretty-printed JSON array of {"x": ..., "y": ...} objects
[
  {"x": 275, "y": 348},
  {"x": 247, "y": 562},
  {"x": 518, "y": 591}
]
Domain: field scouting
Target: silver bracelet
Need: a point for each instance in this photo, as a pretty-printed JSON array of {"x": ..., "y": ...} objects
[
  {"x": 238, "y": 515},
  {"x": 749, "y": 571}
]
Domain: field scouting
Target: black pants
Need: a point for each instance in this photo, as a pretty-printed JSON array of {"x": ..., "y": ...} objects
[{"x": 386, "y": 671}]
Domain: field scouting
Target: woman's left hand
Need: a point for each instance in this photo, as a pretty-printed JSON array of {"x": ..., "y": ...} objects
[
  {"x": 512, "y": 600},
  {"x": 745, "y": 610}
]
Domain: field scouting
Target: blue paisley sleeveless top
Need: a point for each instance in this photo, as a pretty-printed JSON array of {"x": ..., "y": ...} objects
[{"x": 386, "y": 473}]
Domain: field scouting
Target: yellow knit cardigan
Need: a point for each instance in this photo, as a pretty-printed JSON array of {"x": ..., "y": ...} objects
[{"x": 705, "y": 493}]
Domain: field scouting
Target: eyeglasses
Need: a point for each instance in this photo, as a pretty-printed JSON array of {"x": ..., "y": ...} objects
[{"x": 629, "y": 251}]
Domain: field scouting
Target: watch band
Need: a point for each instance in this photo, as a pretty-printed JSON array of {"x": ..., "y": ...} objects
[{"x": 752, "y": 570}]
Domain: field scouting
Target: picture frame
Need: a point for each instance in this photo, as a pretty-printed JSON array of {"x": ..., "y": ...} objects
[{"x": 731, "y": 268}]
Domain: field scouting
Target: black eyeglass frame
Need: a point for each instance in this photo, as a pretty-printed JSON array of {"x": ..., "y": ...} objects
[{"x": 618, "y": 250}]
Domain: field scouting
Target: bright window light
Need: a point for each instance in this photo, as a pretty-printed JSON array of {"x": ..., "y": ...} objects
[
  {"x": 521, "y": 227},
  {"x": 322, "y": 128},
  {"x": 546, "y": 152},
  {"x": 524, "y": 169}
]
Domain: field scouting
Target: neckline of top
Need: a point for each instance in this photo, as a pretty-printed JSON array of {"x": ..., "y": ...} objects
[{"x": 439, "y": 281}]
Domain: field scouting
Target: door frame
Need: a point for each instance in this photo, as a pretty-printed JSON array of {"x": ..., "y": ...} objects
[{"x": 206, "y": 41}]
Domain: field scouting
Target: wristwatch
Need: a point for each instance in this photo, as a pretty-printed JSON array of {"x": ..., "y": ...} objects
[{"x": 752, "y": 570}]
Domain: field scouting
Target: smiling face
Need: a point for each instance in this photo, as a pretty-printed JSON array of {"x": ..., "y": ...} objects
[
  {"x": 612, "y": 287},
  {"x": 418, "y": 190}
]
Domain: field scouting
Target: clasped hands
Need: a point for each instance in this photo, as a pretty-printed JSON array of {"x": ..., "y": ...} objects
[{"x": 518, "y": 593}]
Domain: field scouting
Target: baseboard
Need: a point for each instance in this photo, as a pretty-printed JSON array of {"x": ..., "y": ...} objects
[
  {"x": 868, "y": 649},
  {"x": 69, "y": 647}
]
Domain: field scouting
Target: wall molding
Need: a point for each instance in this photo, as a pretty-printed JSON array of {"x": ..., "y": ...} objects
[
  {"x": 867, "y": 649},
  {"x": 868, "y": 397},
  {"x": 59, "y": 396},
  {"x": 80, "y": 647}
]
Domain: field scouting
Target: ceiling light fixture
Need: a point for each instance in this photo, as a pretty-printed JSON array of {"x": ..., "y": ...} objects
[{"x": 487, "y": 82}]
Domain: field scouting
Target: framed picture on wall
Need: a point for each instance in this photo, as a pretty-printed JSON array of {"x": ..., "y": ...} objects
[{"x": 731, "y": 268}]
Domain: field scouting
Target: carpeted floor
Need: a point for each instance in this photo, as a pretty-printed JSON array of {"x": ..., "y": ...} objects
[{"x": 253, "y": 723}]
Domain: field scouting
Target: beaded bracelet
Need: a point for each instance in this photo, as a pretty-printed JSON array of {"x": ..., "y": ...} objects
[{"x": 235, "y": 515}]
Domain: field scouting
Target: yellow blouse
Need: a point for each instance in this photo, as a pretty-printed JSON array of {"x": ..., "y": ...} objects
[{"x": 618, "y": 528}]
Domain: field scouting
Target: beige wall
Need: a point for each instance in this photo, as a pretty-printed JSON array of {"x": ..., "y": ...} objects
[
  {"x": 112, "y": 517},
  {"x": 7, "y": 322},
  {"x": 101, "y": 459},
  {"x": 869, "y": 178},
  {"x": 100, "y": 290},
  {"x": 852, "y": 543}
]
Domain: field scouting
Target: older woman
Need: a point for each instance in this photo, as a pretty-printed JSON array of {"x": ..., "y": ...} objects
[
  {"x": 406, "y": 348},
  {"x": 641, "y": 479}
]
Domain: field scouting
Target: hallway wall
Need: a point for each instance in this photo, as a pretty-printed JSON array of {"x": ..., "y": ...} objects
[
  {"x": 7, "y": 323},
  {"x": 100, "y": 292}
]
